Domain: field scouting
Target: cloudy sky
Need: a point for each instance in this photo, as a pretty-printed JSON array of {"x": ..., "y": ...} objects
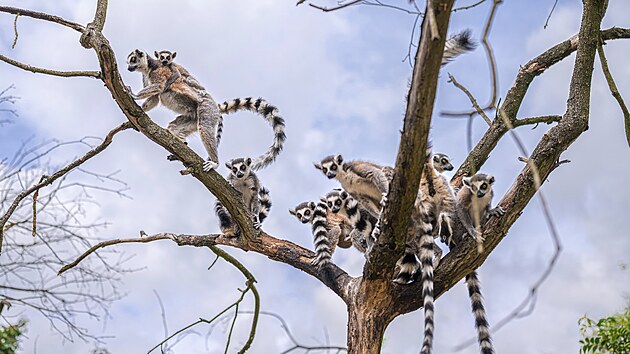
[{"x": 339, "y": 80}]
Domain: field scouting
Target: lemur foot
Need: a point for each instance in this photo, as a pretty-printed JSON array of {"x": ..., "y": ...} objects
[
  {"x": 384, "y": 200},
  {"x": 209, "y": 166},
  {"x": 496, "y": 212},
  {"x": 257, "y": 225},
  {"x": 172, "y": 157}
]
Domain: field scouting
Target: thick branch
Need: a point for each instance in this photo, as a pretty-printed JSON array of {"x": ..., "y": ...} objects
[
  {"x": 411, "y": 152},
  {"x": 42, "y": 16},
  {"x": 274, "y": 248},
  {"x": 536, "y": 120},
  {"x": 94, "y": 74},
  {"x": 464, "y": 259},
  {"x": 60, "y": 173},
  {"x": 516, "y": 94}
]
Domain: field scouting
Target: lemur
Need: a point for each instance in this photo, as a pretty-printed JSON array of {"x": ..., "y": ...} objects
[
  {"x": 473, "y": 206},
  {"x": 336, "y": 229},
  {"x": 255, "y": 197},
  {"x": 197, "y": 108},
  {"x": 365, "y": 181},
  {"x": 441, "y": 162},
  {"x": 361, "y": 219}
]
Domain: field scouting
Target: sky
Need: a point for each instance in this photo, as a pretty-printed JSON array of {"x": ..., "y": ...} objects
[{"x": 339, "y": 80}]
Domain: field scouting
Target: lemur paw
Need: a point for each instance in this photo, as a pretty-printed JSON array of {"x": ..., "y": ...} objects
[
  {"x": 384, "y": 200},
  {"x": 209, "y": 166},
  {"x": 257, "y": 225},
  {"x": 172, "y": 157},
  {"x": 496, "y": 212},
  {"x": 476, "y": 235}
]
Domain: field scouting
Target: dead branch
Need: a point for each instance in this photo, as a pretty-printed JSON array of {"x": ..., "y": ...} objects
[
  {"x": 491, "y": 61},
  {"x": 42, "y": 16},
  {"x": 410, "y": 159},
  {"x": 326, "y": 9},
  {"x": 614, "y": 91},
  {"x": 60, "y": 173},
  {"x": 472, "y": 99},
  {"x": 33, "y": 69}
]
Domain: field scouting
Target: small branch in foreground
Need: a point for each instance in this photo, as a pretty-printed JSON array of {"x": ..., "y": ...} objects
[
  {"x": 42, "y": 16},
  {"x": 614, "y": 91},
  {"x": 93, "y": 74},
  {"x": 471, "y": 98},
  {"x": 325, "y": 9},
  {"x": 536, "y": 120},
  {"x": 15, "y": 31},
  {"x": 550, "y": 13}
]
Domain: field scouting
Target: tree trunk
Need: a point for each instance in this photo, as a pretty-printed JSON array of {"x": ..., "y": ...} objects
[{"x": 369, "y": 314}]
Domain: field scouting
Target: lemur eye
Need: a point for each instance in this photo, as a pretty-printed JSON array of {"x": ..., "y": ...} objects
[
  {"x": 234, "y": 169},
  {"x": 444, "y": 161},
  {"x": 337, "y": 202},
  {"x": 333, "y": 167},
  {"x": 133, "y": 60},
  {"x": 242, "y": 167},
  {"x": 299, "y": 215},
  {"x": 307, "y": 213},
  {"x": 330, "y": 204},
  {"x": 484, "y": 186},
  {"x": 324, "y": 169}
]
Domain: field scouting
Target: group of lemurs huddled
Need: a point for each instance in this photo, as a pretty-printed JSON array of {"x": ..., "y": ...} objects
[{"x": 345, "y": 217}]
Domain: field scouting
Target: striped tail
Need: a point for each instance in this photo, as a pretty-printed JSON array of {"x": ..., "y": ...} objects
[
  {"x": 408, "y": 265},
  {"x": 323, "y": 251},
  {"x": 456, "y": 45},
  {"x": 363, "y": 223},
  {"x": 265, "y": 204},
  {"x": 225, "y": 220},
  {"x": 426, "y": 259},
  {"x": 270, "y": 114},
  {"x": 481, "y": 322},
  {"x": 219, "y": 129}
]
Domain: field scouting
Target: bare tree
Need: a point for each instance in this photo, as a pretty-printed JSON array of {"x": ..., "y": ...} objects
[
  {"x": 372, "y": 300},
  {"x": 45, "y": 232}
]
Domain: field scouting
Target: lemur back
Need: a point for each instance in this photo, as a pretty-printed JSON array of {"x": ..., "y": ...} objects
[
  {"x": 361, "y": 219},
  {"x": 363, "y": 180}
]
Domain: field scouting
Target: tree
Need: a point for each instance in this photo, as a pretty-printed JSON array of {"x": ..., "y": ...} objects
[
  {"x": 607, "y": 335},
  {"x": 372, "y": 300}
]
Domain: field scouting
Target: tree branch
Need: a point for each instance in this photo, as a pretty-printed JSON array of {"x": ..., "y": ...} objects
[
  {"x": 42, "y": 16},
  {"x": 60, "y": 173},
  {"x": 411, "y": 152},
  {"x": 464, "y": 258},
  {"x": 614, "y": 91},
  {"x": 94, "y": 74},
  {"x": 275, "y": 249}
]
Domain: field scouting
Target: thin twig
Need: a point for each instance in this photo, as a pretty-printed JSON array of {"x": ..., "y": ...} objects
[
  {"x": 325, "y": 9},
  {"x": 164, "y": 322},
  {"x": 60, "y": 173},
  {"x": 550, "y": 13},
  {"x": 469, "y": 6},
  {"x": 16, "y": 31},
  {"x": 614, "y": 91},
  {"x": 93, "y": 74},
  {"x": 472, "y": 99},
  {"x": 491, "y": 62},
  {"x": 42, "y": 16}
]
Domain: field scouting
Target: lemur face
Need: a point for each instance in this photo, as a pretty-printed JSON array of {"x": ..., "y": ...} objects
[
  {"x": 240, "y": 167},
  {"x": 480, "y": 184},
  {"x": 335, "y": 199},
  {"x": 165, "y": 57},
  {"x": 137, "y": 60},
  {"x": 330, "y": 165},
  {"x": 304, "y": 212},
  {"x": 442, "y": 163}
]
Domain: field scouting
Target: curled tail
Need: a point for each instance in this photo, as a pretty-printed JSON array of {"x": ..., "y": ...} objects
[
  {"x": 270, "y": 113},
  {"x": 479, "y": 312},
  {"x": 323, "y": 251},
  {"x": 265, "y": 204},
  {"x": 456, "y": 45},
  {"x": 426, "y": 260}
]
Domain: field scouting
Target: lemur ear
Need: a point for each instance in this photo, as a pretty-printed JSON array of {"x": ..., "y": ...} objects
[
  {"x": 491, "y": 180},
  {"x": 228, "y": 164},
  {"x": 139, "y": 53},
  {"x": 174, "y": 55},
  {"x": 157, "y": 55},
  {"x": 248, "y": 161},
  {"x": 323, "y": 200},
  {"x": 467, "y": 181},
  {"x": 311, "y": 205},
  {"x": 344, "y": 195},
  {"x": 317, "y": 165},
  {"x": 339, "y": 159},
  {"x": 292, "y": 211}
]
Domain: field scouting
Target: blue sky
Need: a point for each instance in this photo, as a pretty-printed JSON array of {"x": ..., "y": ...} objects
[{"x": 339, "y": 81}]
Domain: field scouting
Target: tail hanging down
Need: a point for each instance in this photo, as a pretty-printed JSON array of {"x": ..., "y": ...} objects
[
  {"x": 456, "y": 45},
  {"x": 270, "y": 114},
  {"x": 479, "y": 312},
  {"x": 265, "y": 204},
  {"x": 323, "y": 251}
]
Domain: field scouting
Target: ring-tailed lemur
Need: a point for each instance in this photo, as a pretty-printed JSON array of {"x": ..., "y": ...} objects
[
  {"x": 210, "y": 121},
  {"x": 361, "y": 219},
  {"x": 473, "y": 206},
  {"x": 441, "y": 162},
  {"x": 329, "y": 230},
  {"x": 197, "y": 110},
  {"x": 255, "y": 197}
]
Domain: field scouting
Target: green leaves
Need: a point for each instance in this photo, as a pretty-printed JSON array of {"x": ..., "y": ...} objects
[
  {"x": 607, "y": 335},
  {"x": 9, "y": 337}
]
